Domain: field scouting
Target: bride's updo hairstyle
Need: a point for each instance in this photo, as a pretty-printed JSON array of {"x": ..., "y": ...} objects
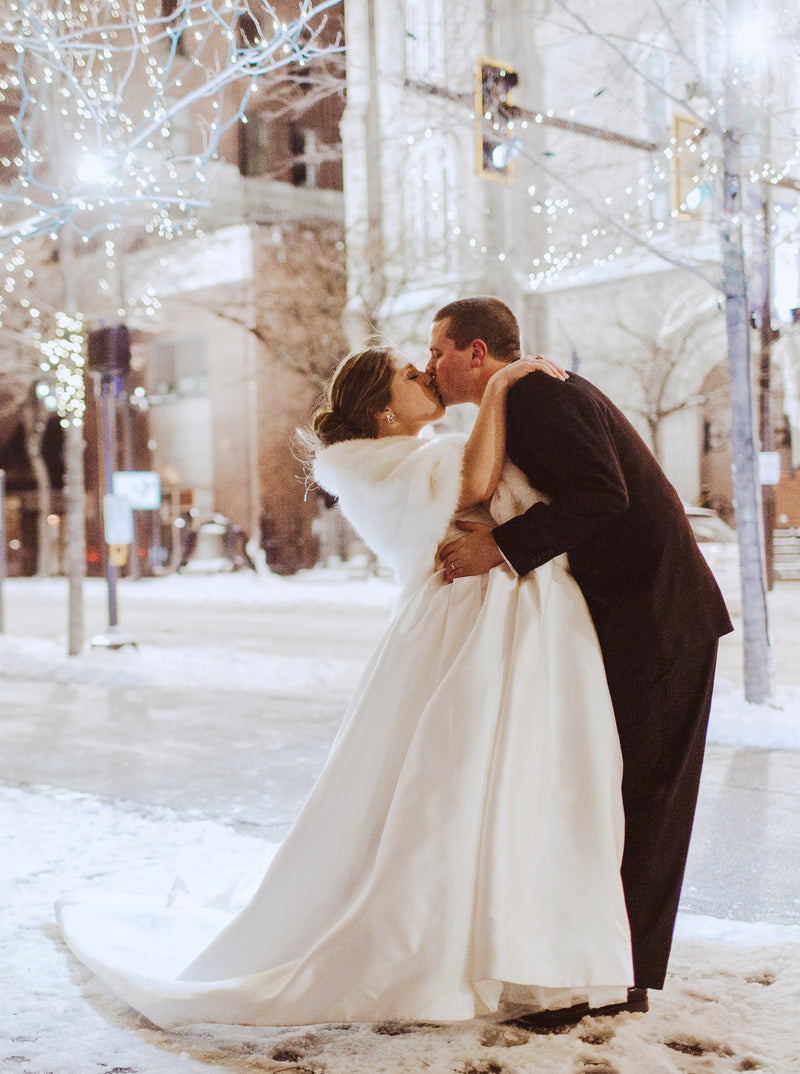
[{"x": 359, "y": 390}]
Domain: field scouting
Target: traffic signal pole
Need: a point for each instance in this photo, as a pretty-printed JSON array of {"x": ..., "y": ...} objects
[{"x": 544, "y": 119}]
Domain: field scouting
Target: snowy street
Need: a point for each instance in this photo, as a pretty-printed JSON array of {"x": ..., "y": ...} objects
[
  {"x": 227, "y": 705},
  {"x": 189, "y": 755}
]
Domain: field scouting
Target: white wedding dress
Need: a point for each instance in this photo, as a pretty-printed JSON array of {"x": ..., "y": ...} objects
[{"x": 461, "y": 847}]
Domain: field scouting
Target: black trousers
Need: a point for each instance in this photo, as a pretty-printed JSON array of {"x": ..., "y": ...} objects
[{"x": 662, "y": 716}]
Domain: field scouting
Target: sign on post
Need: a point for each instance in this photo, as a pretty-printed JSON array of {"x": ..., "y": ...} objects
[
  {"x": 141, "y": 488},
  {"x": 117, "y": 520},
  {"x": 769, "y": 467}
]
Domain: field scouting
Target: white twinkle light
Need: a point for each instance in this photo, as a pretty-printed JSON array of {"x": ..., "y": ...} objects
[{"x": 93, "y": 170}]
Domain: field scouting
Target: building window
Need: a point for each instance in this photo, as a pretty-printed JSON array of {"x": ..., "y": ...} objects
[
  {"x": 171, "y": 11},
  {"x": 297, "y": 149},
  {"x": 303, "y": 149},
  {"x": 425, "y": 40},
  {"x": 248, "y": 31},
  {"x": 430, "y": 211},
  {"x": 254, "y": 146},
  {"x": 180, "y": 366},
  {"x": 658, "y": 133}
]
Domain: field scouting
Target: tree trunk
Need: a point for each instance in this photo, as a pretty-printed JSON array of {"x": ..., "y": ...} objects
[
  {"x": 74, "y": 484},
  {"x": 757, "y": 656},
  {"x": 34, "y": 428}
]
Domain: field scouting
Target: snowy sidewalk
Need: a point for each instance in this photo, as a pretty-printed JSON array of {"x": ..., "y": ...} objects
[
  {"x": 728, "y": 1006},
  {"x": 121, "y": 771}
]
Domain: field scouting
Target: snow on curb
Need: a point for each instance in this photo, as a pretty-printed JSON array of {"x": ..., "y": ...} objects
[{"x": 175, "y": 668}]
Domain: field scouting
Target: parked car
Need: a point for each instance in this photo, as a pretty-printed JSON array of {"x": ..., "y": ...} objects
[
  {"x": 216, "y": 546},
  {"x": 720, "y": 546}
]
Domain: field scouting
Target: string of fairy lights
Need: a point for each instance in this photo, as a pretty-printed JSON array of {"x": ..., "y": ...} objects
[
  {"x": 574, "y": 251},
  {"x": 94, "y": 93},
  {"x": 647, "y": 203},
  {"x": 63, "y": 361}
]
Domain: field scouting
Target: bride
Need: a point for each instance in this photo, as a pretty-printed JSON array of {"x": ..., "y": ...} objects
[{"x": 460, "y": 851}]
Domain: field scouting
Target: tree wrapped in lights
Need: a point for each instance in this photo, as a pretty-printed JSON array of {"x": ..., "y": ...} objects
[
  {"x": 99, "y": 88},
  {"x": 92, "y": 96},
  {"x": 63, "y": 360}
]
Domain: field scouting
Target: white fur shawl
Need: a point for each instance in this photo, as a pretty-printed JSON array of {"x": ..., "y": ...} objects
[{"x": 399, "y": 493}]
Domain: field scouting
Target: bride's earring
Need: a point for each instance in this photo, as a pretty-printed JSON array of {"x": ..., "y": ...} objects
[{"x": 391, "y": 417}]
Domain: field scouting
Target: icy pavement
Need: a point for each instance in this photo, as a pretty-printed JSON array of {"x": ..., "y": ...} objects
[{"x": 122, "y": 770}]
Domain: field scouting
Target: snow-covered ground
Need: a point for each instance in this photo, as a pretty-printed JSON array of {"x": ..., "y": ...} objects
[{"x": 730, "y": 1003}]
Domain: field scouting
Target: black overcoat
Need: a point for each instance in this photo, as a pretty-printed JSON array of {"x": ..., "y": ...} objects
[
  {"x": 631, "y": 549},
  {"x": 656, "y": 607}
]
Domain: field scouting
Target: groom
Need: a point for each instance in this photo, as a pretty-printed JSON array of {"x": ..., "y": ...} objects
[{"x": 656, "y": 607}]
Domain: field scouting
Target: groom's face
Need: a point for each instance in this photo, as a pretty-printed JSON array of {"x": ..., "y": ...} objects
[{"x": 449, "y": 366}]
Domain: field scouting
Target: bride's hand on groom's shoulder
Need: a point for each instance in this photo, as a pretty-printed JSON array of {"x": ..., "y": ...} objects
[
  {"x": 545, "y": 365},
  {"x": 502, "y": 380}
]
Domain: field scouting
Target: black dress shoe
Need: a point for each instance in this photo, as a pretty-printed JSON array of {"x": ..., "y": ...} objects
[
  {"x": 636, "y": 1003},
  {"x": 561, "y": 1019},
  {"x": 554, "y": 1021}
]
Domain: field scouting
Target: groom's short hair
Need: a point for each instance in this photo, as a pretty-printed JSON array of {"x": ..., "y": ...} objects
[{"x": 486, "y": 318}]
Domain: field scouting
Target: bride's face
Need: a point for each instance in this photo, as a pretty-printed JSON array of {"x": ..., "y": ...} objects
[{"x": 414, "y": 401}]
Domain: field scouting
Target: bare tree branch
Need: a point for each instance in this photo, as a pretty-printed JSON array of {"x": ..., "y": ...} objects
[{"x": 636, "y": 68}]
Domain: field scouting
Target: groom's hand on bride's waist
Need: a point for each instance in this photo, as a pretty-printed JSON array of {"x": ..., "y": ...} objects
[{"x": 474, "y": 553}]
